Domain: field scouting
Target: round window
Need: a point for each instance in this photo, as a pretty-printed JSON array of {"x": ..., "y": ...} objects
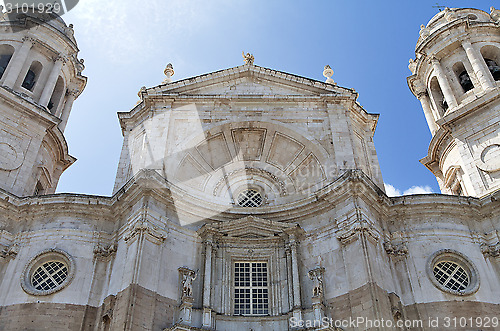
[
  {"x": 250, "y": 198},
  {"x": 48, "y": 272},
  {"x": 451, "y": 272}
]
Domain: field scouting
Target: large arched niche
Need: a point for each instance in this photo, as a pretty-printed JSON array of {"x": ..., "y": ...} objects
[{"x": 269, "y": 157}]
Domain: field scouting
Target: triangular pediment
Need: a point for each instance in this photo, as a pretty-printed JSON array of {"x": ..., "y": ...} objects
[
  {"x": 249, "y": 227},
  {"x": 249, "y": 80}
]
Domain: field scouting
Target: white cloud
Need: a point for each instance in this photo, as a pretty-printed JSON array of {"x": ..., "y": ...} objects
[
  {"x": 418, "y": 190},
  {"x": 393, "y": 192}
]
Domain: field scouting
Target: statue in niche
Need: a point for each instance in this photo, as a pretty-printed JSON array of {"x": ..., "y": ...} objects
[
  {"x": 316, "y": 275},
  {"x": 187, "y": 283}
]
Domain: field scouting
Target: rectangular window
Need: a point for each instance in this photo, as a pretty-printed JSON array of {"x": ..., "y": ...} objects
[{"x": 251, "y": 293}]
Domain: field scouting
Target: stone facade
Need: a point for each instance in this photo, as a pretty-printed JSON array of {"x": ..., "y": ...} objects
[{"x": 252, "y": 199}]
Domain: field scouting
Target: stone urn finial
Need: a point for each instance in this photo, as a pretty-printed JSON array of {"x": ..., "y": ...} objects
[
  {"x": 169, "y": 72},
  {"x": 328, "y": 73}
]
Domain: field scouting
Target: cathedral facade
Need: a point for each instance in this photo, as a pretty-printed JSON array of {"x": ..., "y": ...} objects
[{"x": 250, "y": 198}]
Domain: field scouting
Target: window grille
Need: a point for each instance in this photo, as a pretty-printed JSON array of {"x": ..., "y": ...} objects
[
  {"x": 251, "y": 293},
  {"x": 49, "y": 275},
  {"x": 451, "y": 275},
  {"x": 250, "y": 198}
]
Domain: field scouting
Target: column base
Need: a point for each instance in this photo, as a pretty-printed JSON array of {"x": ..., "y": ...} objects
[
  {"x": 186, "y": 311},
  {"x": 208, "y": 319}
]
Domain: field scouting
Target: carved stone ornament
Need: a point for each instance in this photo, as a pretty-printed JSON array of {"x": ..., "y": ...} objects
[
  {"x": 328, "y": 73},
  {"x": 352, "y": 231},
  {"x": 424, "y": 32},
  {"x": 249, "y": 58},
  {"x": 104, "y": 251},
  {"x": 12, "y": 154},
  {"x": 491, "y": 250},
  {"x": 450, "y": 14},
  {"x": 9, "y": 252},
  {"x": 412, "y": 65},
  {"x": 169, "y": 72},
  {"x": 187, "y": 278},
  {"x": 316, "y": 275},
  {"x": 495, "y": 15},
  {"x": 396, "y": 250},
  {"x": 155, "y": 234}
]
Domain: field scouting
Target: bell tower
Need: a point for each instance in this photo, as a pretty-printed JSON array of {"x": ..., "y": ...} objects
[
  {"x": 40, "y": 77},
  {"x": 456, "y": 77}
]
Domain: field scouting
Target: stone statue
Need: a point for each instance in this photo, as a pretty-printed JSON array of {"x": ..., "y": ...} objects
[
  {"x": 248, "y": 58},
  {"x": 316, "y": 275},
  {"x": 187, "y": 283}
]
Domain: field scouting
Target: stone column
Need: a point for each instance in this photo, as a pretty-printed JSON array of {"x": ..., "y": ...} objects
[
  {"x": 444, "y": 84},
  {"x": 478, "y": 65},
  {"x": 207, "y": 284},
  {"x": 18, "y": 60},
  {"x": 67, "y": 109},
  {"x": 51, "y": 82},
  {"x": 297, "y": 304},
  {"x": 428, "y": 113}
]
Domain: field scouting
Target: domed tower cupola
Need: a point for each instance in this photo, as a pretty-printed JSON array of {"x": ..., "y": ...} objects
[
  {"x": 40, "y": 77},
  {"x": 456, "y": 77}
]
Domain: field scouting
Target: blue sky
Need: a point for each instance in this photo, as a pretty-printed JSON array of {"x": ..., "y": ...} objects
[{"x": 126, "y": 44}]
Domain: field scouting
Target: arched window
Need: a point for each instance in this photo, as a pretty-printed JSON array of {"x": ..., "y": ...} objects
[
  {"x": 491, "y": 55},
  {"x": 463, "y": 76},
  {"x": 55, "y": 99},
  {"x": 6, "y": 52},
  {"x": 32, "y": 75},
  {"x": 494, "y": 68},
  {"x": 437, "y": 96}
]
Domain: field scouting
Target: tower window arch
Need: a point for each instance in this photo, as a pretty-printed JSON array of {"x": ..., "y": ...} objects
[
  {"x": 437, "y": 96},
  {"x": 55, "y": 99},
  {"x": 32, "y": 76},
  {"x": 6, "y": 52},
  {"x": 491, "y": 56},
  {"x": 463, "y": 77}
]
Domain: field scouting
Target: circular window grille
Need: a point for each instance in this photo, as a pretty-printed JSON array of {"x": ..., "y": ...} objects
[
  {"x": 451, "y": 275},
  {"x": 451, "y": 271},
  {"x": 250, "y": 198},
  {"x": 49, "y": 275},
  {"x": 48, "y": 272}
]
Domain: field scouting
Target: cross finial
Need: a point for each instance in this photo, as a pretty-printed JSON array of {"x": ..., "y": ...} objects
[{"x": 438, "y": 6}]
